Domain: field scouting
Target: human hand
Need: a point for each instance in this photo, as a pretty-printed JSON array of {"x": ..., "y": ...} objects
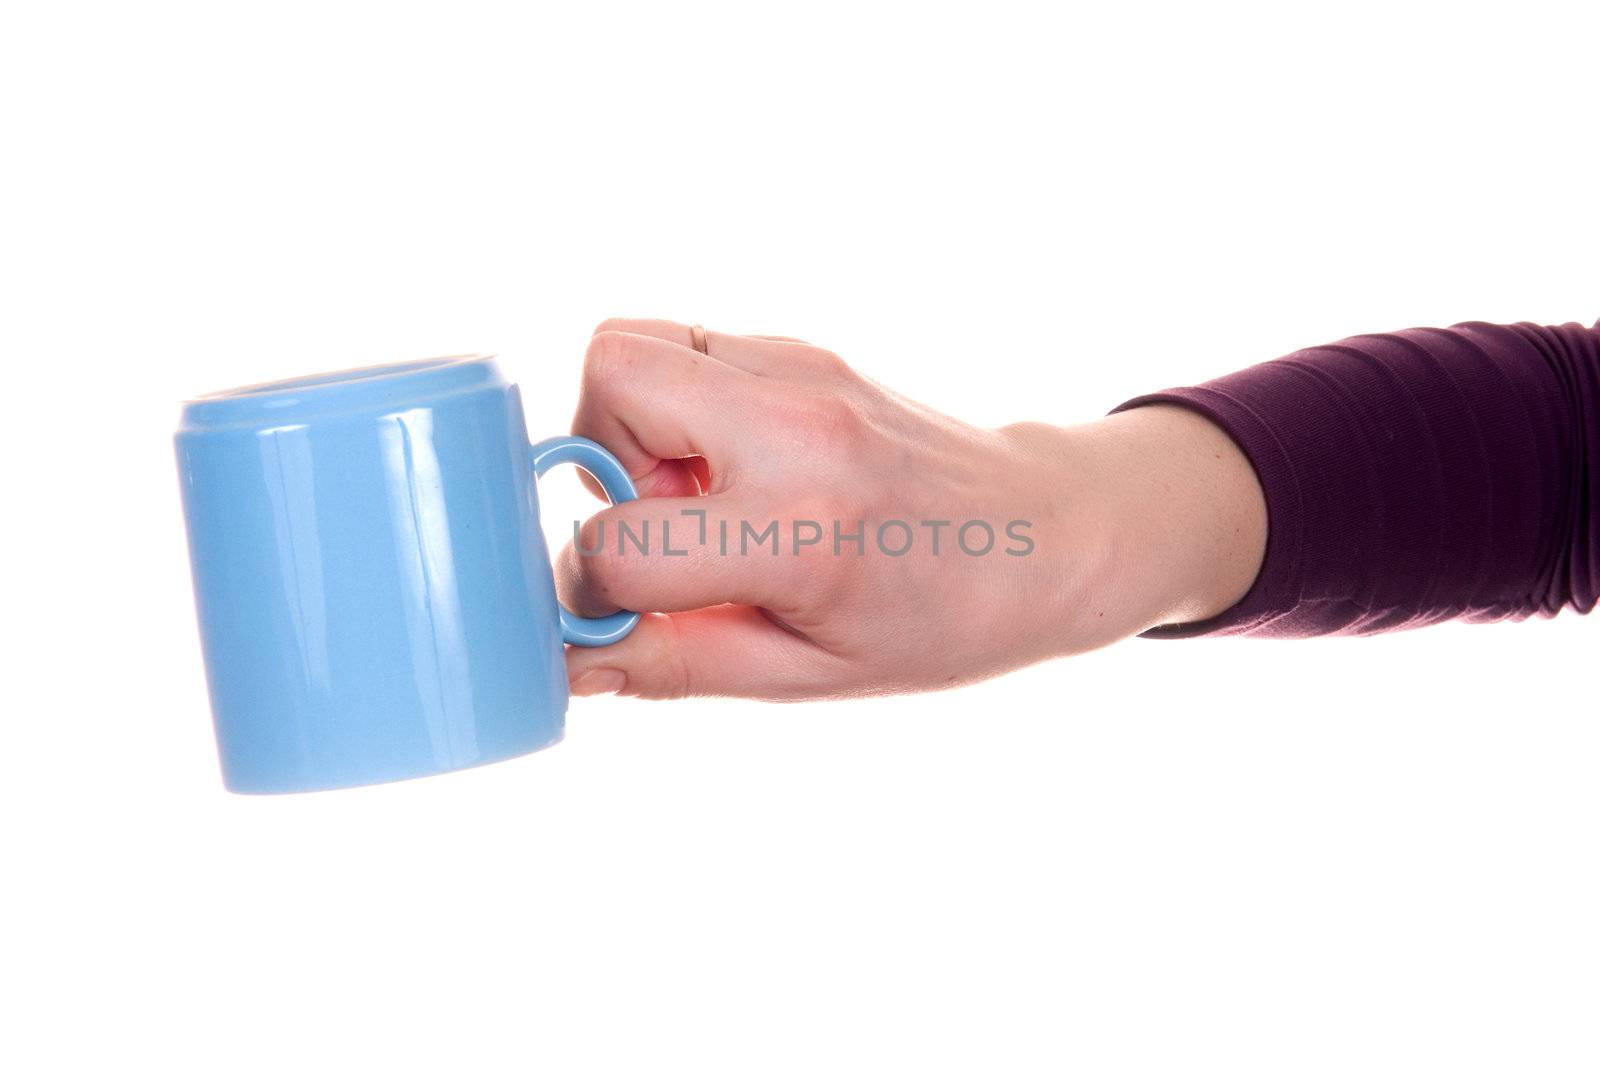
[{"x": 979, "y": 551}]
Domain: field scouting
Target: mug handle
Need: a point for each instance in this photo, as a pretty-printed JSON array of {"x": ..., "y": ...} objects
[{"x": 608, "y": 471}]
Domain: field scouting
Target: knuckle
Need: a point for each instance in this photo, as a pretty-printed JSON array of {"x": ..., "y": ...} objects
[
  {"x": 822, "y": 571},
  {"x": 608, "y": 358},
  {"x": 824, "y": 410},
  {"x": 829, "y": 362},
  {"x": 601, "y": 572},
  {"x": 830, "y": 418},
  {"x": 670, "y": 676}
]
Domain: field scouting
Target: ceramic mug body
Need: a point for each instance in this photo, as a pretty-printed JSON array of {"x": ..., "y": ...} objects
[{"x": 374, "y": 591}]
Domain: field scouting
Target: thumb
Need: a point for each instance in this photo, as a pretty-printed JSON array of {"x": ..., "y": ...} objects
[{"x": 728, "y": 650}]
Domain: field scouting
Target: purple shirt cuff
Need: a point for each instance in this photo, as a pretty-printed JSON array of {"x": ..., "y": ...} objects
[{"x": 1416, "y": 476}]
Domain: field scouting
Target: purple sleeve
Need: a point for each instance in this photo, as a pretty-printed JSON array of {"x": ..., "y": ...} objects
[{"x": 1416, "y": 476}]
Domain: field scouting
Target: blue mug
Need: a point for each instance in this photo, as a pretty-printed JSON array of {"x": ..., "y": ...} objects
[{"x": 374, "y": 592}]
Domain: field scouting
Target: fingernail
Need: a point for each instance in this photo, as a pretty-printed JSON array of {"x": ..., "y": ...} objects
[{"x": 600, "y": 680}]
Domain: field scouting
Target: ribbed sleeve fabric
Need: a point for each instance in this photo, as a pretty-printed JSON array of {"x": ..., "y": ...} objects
[{"x": 1416, "y": 476}]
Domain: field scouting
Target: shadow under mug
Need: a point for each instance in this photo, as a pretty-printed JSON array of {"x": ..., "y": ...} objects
[{"x": 374, "y": 592}]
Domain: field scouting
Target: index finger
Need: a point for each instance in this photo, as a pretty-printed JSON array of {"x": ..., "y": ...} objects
[{"x": 650, "y": 400}]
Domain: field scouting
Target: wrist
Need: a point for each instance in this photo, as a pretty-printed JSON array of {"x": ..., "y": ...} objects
[
  {"x": 1159, "y": 520},
  {"x": 1190, "y": 516}
]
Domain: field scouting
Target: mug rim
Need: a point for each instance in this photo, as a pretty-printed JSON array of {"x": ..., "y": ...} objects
[
  {"x": 347, "y": 376},
  {"x": 380, "y": 385}
]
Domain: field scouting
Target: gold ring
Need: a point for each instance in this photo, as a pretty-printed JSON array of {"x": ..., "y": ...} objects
[{"x": 697, "y": 337}]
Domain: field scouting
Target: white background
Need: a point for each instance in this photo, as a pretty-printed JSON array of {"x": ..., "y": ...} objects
[{"x": 1355, "y": 851}]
